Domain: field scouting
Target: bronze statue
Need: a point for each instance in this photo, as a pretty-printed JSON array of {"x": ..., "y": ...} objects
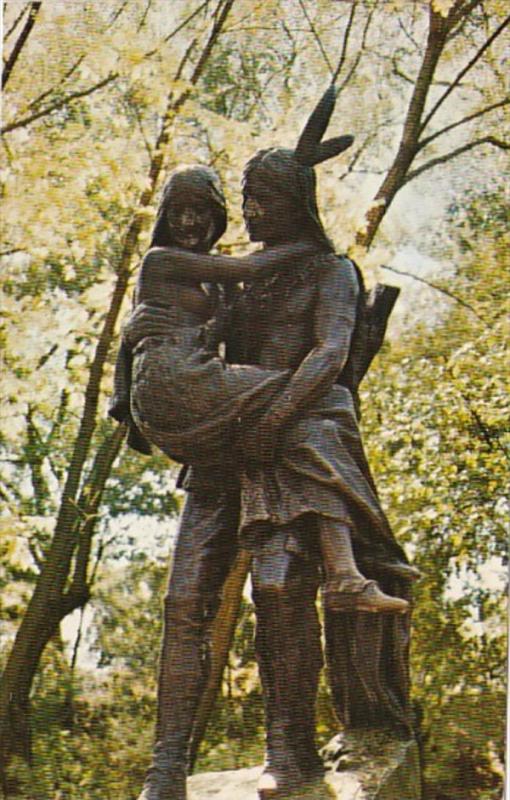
[
  {"x": 174, "y": 387},
  {"x": 294, "y": 487}
]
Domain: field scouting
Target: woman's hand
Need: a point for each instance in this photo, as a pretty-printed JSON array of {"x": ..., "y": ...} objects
[{"x": 146, "y": 321}]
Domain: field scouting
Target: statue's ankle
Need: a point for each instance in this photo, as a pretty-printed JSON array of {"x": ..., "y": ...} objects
[{"x": 344, "y": 583}]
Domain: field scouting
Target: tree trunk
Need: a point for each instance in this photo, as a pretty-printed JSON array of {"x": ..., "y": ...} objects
[
  {"x": 21, "y": 41},
  {"x": 409, "y": 143}
]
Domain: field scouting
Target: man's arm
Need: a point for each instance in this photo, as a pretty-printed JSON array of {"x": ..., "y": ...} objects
[
  {"x": 333, "y": 325},
  {"x": 173, "y": 263}
]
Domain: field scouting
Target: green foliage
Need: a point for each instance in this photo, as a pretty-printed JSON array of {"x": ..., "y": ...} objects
[
  {"x": 465, "y": 757},
  {"x": 101, "y": 753},
  {"x": 127, "y": 610},
  {"x": 235, "y": 733},
  {"x": 437, "y": 424},
  {"x": 93, "y": 729},
  {"x": 234, "y": 69},
  {"x": 142, "y": 485}
]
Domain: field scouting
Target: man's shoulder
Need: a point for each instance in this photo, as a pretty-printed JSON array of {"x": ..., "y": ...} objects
[
  {"x": 332, "y": 265},
  {"x": 330, "y": 260}
]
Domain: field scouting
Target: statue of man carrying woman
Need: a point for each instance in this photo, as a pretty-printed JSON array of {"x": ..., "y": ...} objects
[{"x": 277, "y": 464}]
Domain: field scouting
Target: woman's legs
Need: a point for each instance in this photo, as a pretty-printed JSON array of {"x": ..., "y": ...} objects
[
  {"x": 194, "y": 407},
  {"x": 346, "y": 589}
]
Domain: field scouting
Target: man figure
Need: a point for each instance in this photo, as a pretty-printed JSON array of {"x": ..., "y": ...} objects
[{"x": 303, "y": 320}]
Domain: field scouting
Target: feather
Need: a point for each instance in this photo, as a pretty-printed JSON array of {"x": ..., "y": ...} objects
[
  {"x": 330, "y": 148},
  {"x": 315, "y": 128}
]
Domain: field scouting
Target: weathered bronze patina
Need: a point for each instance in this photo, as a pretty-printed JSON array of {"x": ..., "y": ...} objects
[{"x": 294, "y": 486}]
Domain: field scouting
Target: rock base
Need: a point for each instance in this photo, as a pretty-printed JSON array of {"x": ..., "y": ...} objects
[
  {"x": 387, "y": 768},
  {"x": 368, "y": 765}
]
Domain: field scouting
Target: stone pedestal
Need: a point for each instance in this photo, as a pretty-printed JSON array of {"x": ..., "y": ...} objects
[
  {"x": 386, "y": 768},
  {"x": 360, "y": 766}
]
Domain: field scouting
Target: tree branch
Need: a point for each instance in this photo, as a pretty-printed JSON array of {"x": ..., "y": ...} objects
[
  {"x": 47, "y": 355},
  {"x": 11, "y": 252},
  {"x": 144, "y": 15},
  {"x": 44, "y": 95},
  {"x": 179, "y": 28},
  {"x": 491, "y": 439},
  {"x": 424, "y": 142},
  {"x": 357, "y": 155},
  {"x": 345, "y": 42},
  {"x": 22, "y": 123},
  {"x": 36, "y": 554},
  {"x": 16, "y": 22},
  {"x": 34, "y": 454},
  {"x": 221, "y": 640},
  {"x": 398, "y": 71},
  {"x": 437, "y": 288},
  {"x": 464, "y": 71},
  {"x": 215, "y": 32},
  {"x": 395, "y": 177},
  {"x": 76, "y": 648},
  {"x": 502, "y": 145},
  {"x": 316, "y": 37},
  {"x": 408, "y": 35},
  {"x": 55, "y": 432},
  {"x": 21, "y": 41},
  {"x": 184, "y": 60},
  {"x": 139, "y": 122},
  {"x": 116, "y": 14},
  {"x": 361, "y": 49},
  {"x": 89, "y": 503},
  {"x": 459, "y": 14}
]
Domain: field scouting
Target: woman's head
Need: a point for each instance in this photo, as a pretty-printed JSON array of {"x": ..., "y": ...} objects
[{"x": 192, "y": 212}]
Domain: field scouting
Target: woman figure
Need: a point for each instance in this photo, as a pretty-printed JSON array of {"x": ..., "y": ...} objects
[{"x": 174, "y": 387}]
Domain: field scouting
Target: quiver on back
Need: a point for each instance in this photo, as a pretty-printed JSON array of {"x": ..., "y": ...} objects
[{"x": 373, "y": 313}]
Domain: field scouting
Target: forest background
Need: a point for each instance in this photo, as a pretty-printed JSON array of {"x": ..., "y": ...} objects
[{"x": 100, "y": 101}]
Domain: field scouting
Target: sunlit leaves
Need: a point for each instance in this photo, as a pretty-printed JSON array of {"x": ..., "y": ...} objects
[
  {"x": 443, "y": 7},
  {"x": 437, "y": 425}
]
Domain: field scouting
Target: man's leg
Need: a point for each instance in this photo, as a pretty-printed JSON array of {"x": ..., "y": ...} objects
[
  {"x": 289, "y": 658},
  {"x": 206, "y": 547}
]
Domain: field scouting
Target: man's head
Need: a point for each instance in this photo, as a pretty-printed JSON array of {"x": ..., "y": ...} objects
[
  {"x": 279, "y": 185},
  {"x": 279, "y": 203},
  {"x": 192, "y": 213}
]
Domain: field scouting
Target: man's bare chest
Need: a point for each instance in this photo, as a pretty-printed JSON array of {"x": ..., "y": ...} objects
[
  {"x": 278, "y": 322},
  {"x": 281, "y": 298},
  {"x": 293, "y": 306}
]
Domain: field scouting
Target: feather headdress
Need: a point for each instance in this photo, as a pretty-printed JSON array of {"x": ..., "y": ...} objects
[
  {"x": 291, "y": 173},
  {"x": 310, "y": 149}
]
